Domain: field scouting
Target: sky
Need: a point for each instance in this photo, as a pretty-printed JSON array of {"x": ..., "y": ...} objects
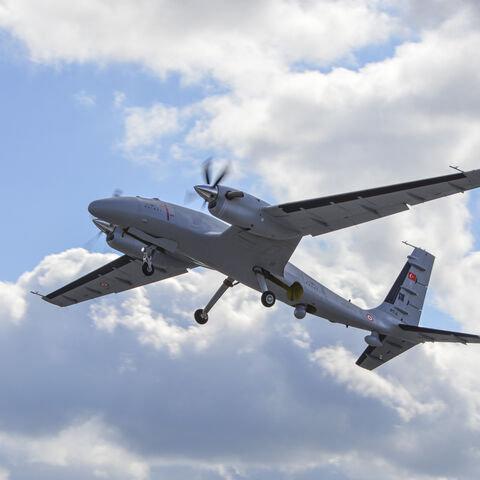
[{"x": 304, "y": 99}]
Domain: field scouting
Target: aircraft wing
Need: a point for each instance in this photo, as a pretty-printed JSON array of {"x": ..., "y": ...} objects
[
  {"x": 373, "y": 357},
  {"x": 327, "y": 214},
  {"x": 122, "y": 274},
  {"x": 423, "y": 334}
]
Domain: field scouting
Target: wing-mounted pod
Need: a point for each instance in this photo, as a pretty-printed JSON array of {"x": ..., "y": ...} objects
[
  {"x": 246, "y": 211},
  {"x": 120, "y": 240}
]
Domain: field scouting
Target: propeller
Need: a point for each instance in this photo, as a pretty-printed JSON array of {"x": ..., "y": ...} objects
[
  {"x": 89, "y": 244},
  {"x": 209, "y": 190}
]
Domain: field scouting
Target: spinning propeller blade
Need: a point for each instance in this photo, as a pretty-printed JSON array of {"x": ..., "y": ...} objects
[
  {"x": 189, "y": 197},
  {"x": 206, "y": 170},
  {"x": 89, "y": 244},
  {"x": 221, "y": 176}
]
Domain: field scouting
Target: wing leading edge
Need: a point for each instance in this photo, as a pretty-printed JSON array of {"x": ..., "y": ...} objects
[
  {"x": 122, "y": 274},
  {"x": 327, "y": 214}
]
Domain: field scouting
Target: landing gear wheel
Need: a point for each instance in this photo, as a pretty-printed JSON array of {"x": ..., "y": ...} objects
[
  {"x": 200, "y": 317},
  {"x": 147, "y": 270},
  {"x": 268, "y": 299}
]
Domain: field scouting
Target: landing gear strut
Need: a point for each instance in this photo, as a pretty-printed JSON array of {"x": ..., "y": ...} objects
[
  {"x": 201, "y": 315},
  {"x": 268, "y": 297},
  {"x": 147, "y": 266}
]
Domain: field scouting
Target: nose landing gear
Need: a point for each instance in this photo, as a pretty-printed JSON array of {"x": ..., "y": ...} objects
[{"x": 147, "y": 266}]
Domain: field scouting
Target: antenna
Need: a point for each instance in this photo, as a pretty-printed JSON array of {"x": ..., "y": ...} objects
[{"x": 410, "y": 245}]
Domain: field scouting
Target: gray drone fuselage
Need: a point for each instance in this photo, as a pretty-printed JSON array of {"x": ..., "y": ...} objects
[{"x": 190, "y": 235}]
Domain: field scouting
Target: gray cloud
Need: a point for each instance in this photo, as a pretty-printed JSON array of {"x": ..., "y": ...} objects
[
  {"x": 259, "y": 405},
  {"x": 430, "y": 13}
]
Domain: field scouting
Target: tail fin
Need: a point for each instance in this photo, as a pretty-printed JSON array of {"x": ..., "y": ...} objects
[{"x": 407, "y": 295}]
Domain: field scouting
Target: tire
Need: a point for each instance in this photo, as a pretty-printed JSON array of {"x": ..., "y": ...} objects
[
  {"x": 147, "y": 271},
  {"x": 200, "y": 318},
  {"x": 268, "y": 299}
]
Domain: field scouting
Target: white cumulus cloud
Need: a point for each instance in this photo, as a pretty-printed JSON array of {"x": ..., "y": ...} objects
[
  {"x": 90, "y": 446},
  {"x": 85, "y": 99}
]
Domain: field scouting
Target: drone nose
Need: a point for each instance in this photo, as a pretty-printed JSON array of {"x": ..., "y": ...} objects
[
  {"x": 116, "y": 210},
  {"x": 100, "y": 208}
]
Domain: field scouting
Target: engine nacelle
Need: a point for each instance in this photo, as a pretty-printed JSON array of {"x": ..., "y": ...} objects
[
  {"x": 246, "y": 211},
  {"x": 122, "y": 241},
  {"x": 128, "y": 243},
  {"x": 373, "y": 340}
]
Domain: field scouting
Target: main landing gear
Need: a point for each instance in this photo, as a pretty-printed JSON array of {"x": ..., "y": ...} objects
[
  {"x": 147, "y": 266},
  {"x": 268, "y": 297},
  {"x": 201, "y": 315}
]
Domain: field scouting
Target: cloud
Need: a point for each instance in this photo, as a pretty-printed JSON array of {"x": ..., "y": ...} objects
[
  {"x": 144, "y": 126},
  {"x": 431, "y": 13},
  {"x": 88, "y": 446},
  {"x": 85, "y": 99},
  {"x": 230, "y": 41},
  {"x": 147, "y": 128},
  {"x": 340, "y": 364},
  {"x": 119, "y": 99},
  {"x": 347, "y": 124},
  {"x": 12, "y": 301}
]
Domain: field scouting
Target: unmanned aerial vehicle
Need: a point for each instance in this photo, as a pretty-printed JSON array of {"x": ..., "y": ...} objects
[{"x": 251, "y": 242}]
